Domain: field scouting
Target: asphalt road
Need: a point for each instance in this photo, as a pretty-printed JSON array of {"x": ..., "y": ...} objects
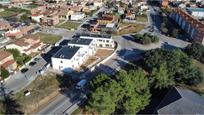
[{"x": 127, "y": 51}]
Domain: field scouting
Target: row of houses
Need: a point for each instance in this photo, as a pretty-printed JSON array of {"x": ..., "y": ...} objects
[
  {"x": 192, "y": 26},
  {"x": 50, "y": 14},
  {"x": 7, "y": 61},
  {"x": 78, "y": 50},
  {"x": 28, "y": 45}
]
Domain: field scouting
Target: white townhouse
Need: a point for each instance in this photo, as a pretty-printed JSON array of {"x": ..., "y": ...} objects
[
  {"x": 68, "y": 58},
  {"x": 102, "y": 41},
  {"x": 88, "y": 45}
]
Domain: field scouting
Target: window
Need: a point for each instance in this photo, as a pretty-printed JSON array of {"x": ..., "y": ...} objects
[
  {"x": 100, "y": 40},
  {"x": 100, "y": 45},
  {"x": 61, "y": 61},
  {"x": 107, "y": 40},
  {"x": 107, "y": 45}
]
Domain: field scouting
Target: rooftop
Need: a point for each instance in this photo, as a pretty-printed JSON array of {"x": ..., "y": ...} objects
[
  {"x": 95, "y": 35},
  {"x": 66, "y": 52},
  {"x": 195, "y": 9},
  {"x": 81, "y": 41},
  {"x": 4, "y": 54}
]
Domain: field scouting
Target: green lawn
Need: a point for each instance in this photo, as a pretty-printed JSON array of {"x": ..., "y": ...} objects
[
  {"x": 142, "y": 18},
  {"x": 48, "y": 38},
  {"x": 6, "y": 13},
  {"x": 69, "y": 25},
  {"x": 200, "y": 87}
]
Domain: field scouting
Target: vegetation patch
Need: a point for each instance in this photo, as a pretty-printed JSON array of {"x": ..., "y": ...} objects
[
  {"x": 69, "y": 25},
  {"x": 21, "y": 59},
  {"x": 126, "y": 28},
  {"x": 48, "y": 38},
  {"x": 42, "y": 90},
  {"x": 145, "y": 38},
  {"x": 142, "y": 18}
]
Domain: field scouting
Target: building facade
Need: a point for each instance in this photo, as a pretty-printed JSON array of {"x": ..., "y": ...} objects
[{"x": 189, "y": 24}]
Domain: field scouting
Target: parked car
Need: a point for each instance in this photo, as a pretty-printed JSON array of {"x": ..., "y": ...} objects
[
  {"x": 32, "y": 63},
  {"x": 24, "y": 70},
  {"x": 81, "y": 84}
]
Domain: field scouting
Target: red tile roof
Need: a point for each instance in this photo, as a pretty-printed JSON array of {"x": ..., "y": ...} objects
[
  {"x": 4, "y": 54},
  {"x": 6, "y": 64}
]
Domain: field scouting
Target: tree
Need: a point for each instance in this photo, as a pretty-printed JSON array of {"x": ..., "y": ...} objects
[
  {"x": 24, "y": 17},
  {"x": 104, "y": 99},
  {"x": 100, "y": 80},
  {"x": 15, "y": 52},
  {"x": 135, "y": 90},
  {"x": 195, "y": 50},
  {"x": 4, "y": 73},
  {"x": 160, "y": 77}
]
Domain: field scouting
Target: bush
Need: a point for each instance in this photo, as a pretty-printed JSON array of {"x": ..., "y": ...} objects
[
  {"x": 146, "y": 38},
  {"x": 196, "y": 50},
  {"x": 4, "y": 73}
]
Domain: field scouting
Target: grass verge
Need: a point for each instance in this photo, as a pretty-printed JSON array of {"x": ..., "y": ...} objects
[
  {"x": 48, "y": 38},
  {"x": 68, "y": 25}
]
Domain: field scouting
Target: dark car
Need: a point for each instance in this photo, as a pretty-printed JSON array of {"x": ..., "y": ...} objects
[
  {"x": 37, "y": 59},
  {"x": 24, "y": 70},
  {"x": 32, "y": 63}
]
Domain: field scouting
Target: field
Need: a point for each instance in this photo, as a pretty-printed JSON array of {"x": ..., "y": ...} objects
[
  {"x": 126, "y": 28},
  {"x": 43, "y": 90},
  {"x": 142, "y": 18},
  {"x": 7, "y": 14},
  {"x": 69, "y": 25},
  {"x": 48, "y": 38}
]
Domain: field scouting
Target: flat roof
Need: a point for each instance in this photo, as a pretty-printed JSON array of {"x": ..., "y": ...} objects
[
  {"x": 66, "y": 52},
  {"x": 95, "y": 35},
  {"x": 81, "y": 41},
  {"x": 195, "y": 9}
]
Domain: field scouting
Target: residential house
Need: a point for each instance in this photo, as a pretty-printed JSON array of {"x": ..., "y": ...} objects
[
  {"x": 106, "y": 19},
  {"x": 77, "y": 16},
  {"x": 4, "y": 25},
  {"x": 20, "y": 31},
  {"x": 192, "y": 26},
  {"x": 165, "y": 3},
  {"x": 7, "y": 61},
  {"x": 27, "y": 45},
  {"x": 50, "y": 20},
  {"x": 181, "y": 101}
]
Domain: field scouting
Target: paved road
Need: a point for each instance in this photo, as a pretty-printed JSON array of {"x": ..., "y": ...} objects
[
  {"x": 20, "y": 80},
  {"x": 127, "y": 51}
]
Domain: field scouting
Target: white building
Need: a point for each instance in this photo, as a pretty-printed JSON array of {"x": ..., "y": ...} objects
[
  {"x": 68, "y": 58},
  {"x": 88, "y": 45},
  {"x": 77, "y": 16},
  {"x": 196, "y": 12},
  {"x": 71, "y": 57},
  {"x": 77, "y": 52},
  {"x": 102, "y": 41},
  {"x": 37, "y": 17}
]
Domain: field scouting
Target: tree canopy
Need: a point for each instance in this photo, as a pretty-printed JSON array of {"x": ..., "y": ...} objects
[
  {"x": 128, "y": 93},
  {"x": 168, "y": 67}
]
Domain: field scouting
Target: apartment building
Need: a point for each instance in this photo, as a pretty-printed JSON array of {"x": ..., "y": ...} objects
[
  {"x": 196, "y": 12},
  {"x": 188, "y": 23},
  {"x": 68, "y": 58},
  {"x": 77, "y": 52},
  {"x": 102, "y": 41},
  {"x": 7, "y": 61},
  {"x": 27, "y": 45}
]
